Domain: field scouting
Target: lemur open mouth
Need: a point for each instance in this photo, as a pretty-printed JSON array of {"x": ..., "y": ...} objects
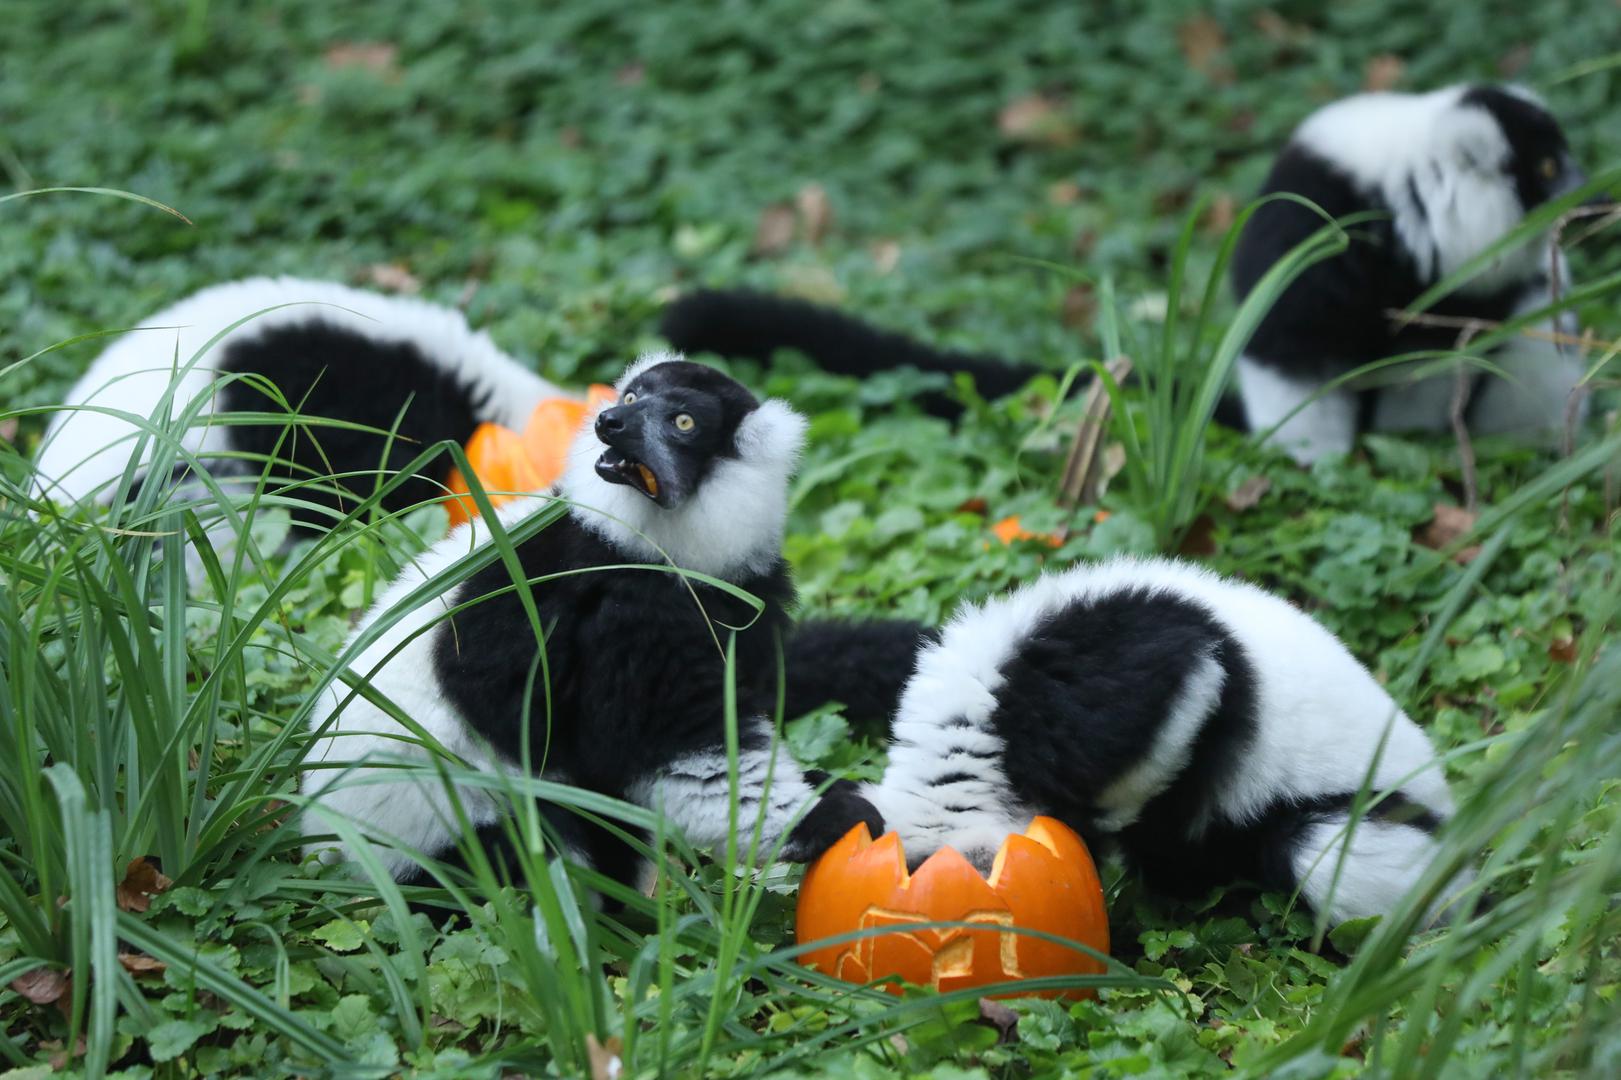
[{"x": 616, "y": 468}]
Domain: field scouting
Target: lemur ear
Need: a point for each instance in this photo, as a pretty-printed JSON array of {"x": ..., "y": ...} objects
[
  {"x": 642, "y": 363},
  {"x": 1474, "y": 140},
  {"x": 771, "y": 433}
]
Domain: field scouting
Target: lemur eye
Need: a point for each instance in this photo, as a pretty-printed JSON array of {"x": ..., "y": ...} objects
[
  {"x": 628, "y": 399},
  {"x": 685, "y": 422},
  {"x": 1550, "y": 168}
]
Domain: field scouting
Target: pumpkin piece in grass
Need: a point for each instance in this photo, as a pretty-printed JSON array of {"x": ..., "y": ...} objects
[
  {"x": 1042, "y": 880},
  {"x": 506, "y": 461}
]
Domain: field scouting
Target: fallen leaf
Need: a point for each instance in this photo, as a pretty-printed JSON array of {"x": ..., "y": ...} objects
[
  {"x": 886, "y": 255},
  {"x": 8, "y": 429},
  {"x": 1246, "y": 495},
  {"x": 142, "y": 881},
  {"x": 569, "y": 136},
  {"x": 1036, "y": 118},
  {"x": 1278, "y": 30},
  {"x": 1562, "y": 650},
  {"x": 1004, "y": 1019},
  {"x": 393, "y": 277},
  {"x": 815, "y": 212},
  {"x": 818, "y": 284},
  {"x": 1382, "y": 72},
  {"x": 631, "y": 75},
  {"x": 1221, "y": 214},
  {"x": 1064, "y": 193},
  {"x": 1511, "y": 63},
  {"x": 42, "y": 985},
  {"x": 1080, "y": 306},
  {"x": 378, "y": 57},
  {"x": 605, "y": 1061},
  {"x": 1449, "y": 523},
  {"x": 140, "y": 964},
  {"x": 973, "y": 506},
  {"x": 774, "y": 234},
  {"x": 59, "y": 1053},
  {"x": 1204, "y": 46},
  {"x": 1200, "y": 539},
  {"x": 1009, "y": 529}
]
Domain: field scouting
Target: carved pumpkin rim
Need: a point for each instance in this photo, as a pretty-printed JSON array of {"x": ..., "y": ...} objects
[{"x": 861, "y": 844}]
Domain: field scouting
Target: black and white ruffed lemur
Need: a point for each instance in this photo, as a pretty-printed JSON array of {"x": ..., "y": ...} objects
[
  {"x": 1210, "y": 730},
  {"x": 384, "y": 363},
  {"x": 687, "y": 467},
  {"x": 1447, "y": 173}
]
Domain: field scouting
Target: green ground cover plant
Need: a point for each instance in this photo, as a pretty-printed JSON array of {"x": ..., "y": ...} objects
[{"x": 1020, "y": 178}]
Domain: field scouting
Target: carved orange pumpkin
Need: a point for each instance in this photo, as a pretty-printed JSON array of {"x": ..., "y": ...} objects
[
  {"x": 1043, "y": 880},
  {"x": 505, "y": 460}
]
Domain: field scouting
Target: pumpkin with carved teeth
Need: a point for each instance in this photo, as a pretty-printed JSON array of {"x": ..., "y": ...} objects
[{"x": 1042, "y": 880}]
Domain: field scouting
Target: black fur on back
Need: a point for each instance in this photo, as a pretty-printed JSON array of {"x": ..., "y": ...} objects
[
  {"x": 1084, "y": 696},
  {"x": 329, "y": 372},
  {"x": 637, "y": 678},
  {"x": 749, "y": 325},
  {"x": 1333, "y": 317},
  {"x": 863, "y": 665}
]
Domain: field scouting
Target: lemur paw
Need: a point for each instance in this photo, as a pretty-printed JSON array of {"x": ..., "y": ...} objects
[{"x": 839, "y": 811}]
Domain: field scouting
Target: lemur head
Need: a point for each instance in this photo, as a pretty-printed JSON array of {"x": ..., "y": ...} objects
[
  {"x": 689, "y": 465},
  {"x": 1507, "y": 132}
]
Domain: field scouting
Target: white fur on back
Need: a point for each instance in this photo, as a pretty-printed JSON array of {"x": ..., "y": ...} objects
[
  {"x": 84, "y": 452},
  {"x": 1452, "y": 154},
  {"x": 731, "y": 526},
  {"x": 1320, "y": 715},
  {"x": 382, "y": 801}
]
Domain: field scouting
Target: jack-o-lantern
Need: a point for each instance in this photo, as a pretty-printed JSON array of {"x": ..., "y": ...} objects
[
  {"x": 505, "y": 460},
  {"x": 1043, "y": 880}
]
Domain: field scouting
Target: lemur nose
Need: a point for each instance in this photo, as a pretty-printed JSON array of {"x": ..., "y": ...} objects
[{"x": 610, "y": 422}]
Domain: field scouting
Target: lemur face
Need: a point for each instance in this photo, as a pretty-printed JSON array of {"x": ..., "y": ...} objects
[
  {"x": 672, "y": 423},
  {"x": 1538, "y": 160}
]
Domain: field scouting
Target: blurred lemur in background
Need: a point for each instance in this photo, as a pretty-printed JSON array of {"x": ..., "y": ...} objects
[
  {"x": 400, "y": 375},
  {"x": 1451, "y": 173}
]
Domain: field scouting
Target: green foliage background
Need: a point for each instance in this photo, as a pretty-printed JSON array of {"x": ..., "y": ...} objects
[{"x": 561, "y": 169}]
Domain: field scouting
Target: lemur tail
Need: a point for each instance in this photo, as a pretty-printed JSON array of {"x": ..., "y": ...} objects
[
  {"x": 749, "y": 325},
  {"x": 743, "y": 324}
]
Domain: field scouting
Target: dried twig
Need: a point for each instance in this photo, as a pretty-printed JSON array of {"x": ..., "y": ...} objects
[{"x": 1081, "y": 468}]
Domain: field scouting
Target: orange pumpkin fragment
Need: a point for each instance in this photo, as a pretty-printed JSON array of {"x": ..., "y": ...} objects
[
  {"x": 1043, "y": 880},
  {"x": 506, "y": 461}
]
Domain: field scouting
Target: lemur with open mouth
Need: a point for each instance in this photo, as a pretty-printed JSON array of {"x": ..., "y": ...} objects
[
  {"x": 689, "y": 469},
  {"x": 1210, "y": 730}
]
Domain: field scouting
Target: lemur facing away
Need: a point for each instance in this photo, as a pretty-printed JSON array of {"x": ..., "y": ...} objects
[
  {"x": 1209, "y": 728},
  {"x": 390, "y": 364},
  {"x": 1450, "y": 173},
  {"x": 688, "y": 467}
]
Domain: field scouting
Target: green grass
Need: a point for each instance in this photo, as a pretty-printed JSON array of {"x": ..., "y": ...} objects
[{"x": 558, "y": 169}]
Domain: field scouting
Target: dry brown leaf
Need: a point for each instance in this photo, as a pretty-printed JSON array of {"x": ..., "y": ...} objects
[
  {"x": 1220, "y": 216},
  {"x": 815, "y": 211},
  {"x": 378, "y": 57},
  {"x": 142, "y": 881},
  {"x": 1562, "y": 650},
  {"x": 42, "y": 986},
  {"x": 1064, "y": 193},
  {"x": 1200, "y": 539},
  {"x": 605, "y": 1060},
  {"x": 59, "y": 1053},
  {"x": 886, "y": 255},
  {"x": 775, "y": 232},
  {"x": 631, "y": 75},
  {"x": 1511, "y": 63},
  {"x": 393, "y": 277},
  {"x": 1246, "y": 495},
  {"x": 138, "y": 964},
  {"x": 1449, "y": 523},
  {"x": 812, "y": 282},
  {"x": 1080, "y": 306},
  {"x": 569, "y": 136},
  {"x": 1035, "y": 118},
  {"x": 1278, "y": 30},
  {"x": 1204, "y": 46},
  {"x": 1383, "y": 72},
  {"x": 1004, "y": 1019}
]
